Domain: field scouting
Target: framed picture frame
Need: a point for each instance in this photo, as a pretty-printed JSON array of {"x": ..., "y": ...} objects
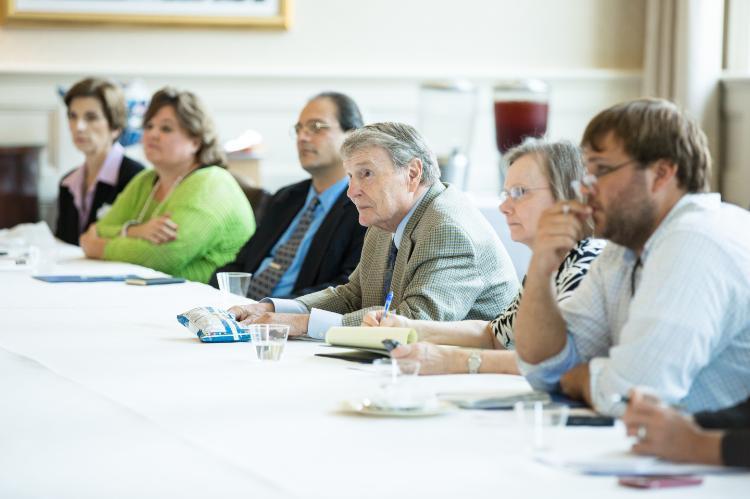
[{"x": 233, "y": 13}]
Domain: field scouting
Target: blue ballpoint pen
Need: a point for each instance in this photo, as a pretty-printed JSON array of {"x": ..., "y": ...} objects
[{"x": 388, "y": 299}]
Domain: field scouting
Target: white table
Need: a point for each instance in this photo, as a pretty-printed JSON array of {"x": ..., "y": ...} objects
[{"x": 104, "y": 394}]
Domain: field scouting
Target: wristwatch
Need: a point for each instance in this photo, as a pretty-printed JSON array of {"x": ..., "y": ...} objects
[{"x": 474, "y": 361}]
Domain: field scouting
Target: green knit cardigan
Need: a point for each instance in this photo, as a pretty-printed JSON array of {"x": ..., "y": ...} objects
[{"x": 213, "y": 216}]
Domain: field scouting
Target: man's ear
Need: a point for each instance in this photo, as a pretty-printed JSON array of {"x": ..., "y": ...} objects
[
  {"x": 414, "y": 170},
  {"x": 664, "y": 172}
]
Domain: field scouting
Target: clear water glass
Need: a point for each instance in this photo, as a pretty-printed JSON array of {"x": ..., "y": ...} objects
[
  {"x": 540, "y": 423},
  {"x": 268, "y": 340},
  {"x": 398, "y": 385},
  {"x": 234, "y": 283}
]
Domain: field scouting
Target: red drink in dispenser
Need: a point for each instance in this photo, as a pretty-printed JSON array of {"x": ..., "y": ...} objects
[
  {"x": 516, "y": 120},
  {"x": 521, "y": 109}
]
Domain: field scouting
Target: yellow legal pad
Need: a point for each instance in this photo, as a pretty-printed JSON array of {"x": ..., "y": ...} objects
[{"x": 369, "y": 337}]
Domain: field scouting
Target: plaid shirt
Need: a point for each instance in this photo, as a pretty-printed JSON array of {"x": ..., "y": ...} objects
[{"x": 684, "y": 332}]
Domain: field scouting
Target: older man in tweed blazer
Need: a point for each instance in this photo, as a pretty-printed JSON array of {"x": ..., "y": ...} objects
[{"x": 426, "y": 243}]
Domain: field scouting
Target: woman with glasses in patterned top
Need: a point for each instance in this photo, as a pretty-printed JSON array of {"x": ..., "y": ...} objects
[{"x": 539, "y": 174}]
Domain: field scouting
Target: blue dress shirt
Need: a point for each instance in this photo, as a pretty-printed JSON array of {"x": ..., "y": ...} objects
[{"x": 327, "y": 199}]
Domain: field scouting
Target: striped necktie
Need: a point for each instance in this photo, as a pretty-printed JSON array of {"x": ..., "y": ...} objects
[
  {"x": 263, "y": 283},
  {"x": 388, "y": 276}
]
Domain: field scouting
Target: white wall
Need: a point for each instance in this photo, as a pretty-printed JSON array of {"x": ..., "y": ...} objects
[
  {"x": 351, "y": 37},
  {"x": 590, "y": 51}
]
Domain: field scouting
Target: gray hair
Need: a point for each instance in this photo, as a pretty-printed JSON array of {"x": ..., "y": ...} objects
[
  {"x": 561, "y": 163},
  {"x": 402, "y": 143}
]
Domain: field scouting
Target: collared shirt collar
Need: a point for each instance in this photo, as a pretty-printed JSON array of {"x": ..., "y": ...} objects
[
  {"x": 111, "y": 168},
  {"x": 684, "y": 203},
  {"x": 108, "y": 174},
  {"x": 329, "y": 196},
  {"x": 402, "y": 225}
]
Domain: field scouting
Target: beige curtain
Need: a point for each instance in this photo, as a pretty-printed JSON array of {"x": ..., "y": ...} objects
[{"x": 683, "y": 60}]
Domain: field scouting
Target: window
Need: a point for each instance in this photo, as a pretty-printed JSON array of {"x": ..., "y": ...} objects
[{"x": 737, "y": 33}]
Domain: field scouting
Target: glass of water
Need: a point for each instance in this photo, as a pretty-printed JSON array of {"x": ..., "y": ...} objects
[
  {"x": 399, "y": 387},
  {"x": 540, "y": 423},
  {"x": 234, "y": 283},
  {"x": 268, "y": 340}
]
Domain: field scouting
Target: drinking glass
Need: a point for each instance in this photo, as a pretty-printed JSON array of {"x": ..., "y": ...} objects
[
  {"x": 234, "y": 283},
  {"x": 398, "y": 385},
  {"x": 540, "y": 423},
  {"x": 268, "y": 340}
]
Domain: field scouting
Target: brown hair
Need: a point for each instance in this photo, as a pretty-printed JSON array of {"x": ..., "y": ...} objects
[
  {"x": 108, "y": 93},
  {"x": 653, "y": 129},
  {"x": 194, "y": 119}
]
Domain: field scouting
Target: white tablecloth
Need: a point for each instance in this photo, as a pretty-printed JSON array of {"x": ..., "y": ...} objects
[{"x": 104, "y": 394}]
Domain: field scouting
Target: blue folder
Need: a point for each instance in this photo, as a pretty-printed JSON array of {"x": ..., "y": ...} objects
[{"x": 84, "y": 278}]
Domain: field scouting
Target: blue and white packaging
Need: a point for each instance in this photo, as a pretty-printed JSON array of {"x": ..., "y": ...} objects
[{"x": 213, "y": 325}]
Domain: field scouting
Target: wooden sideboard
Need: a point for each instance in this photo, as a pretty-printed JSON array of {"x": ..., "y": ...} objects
[{"x": 19, "y": 183}]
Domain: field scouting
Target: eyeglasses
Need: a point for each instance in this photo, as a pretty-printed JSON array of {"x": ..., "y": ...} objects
[
  {"x": 517, "y": 192},
  {"x": 311, "y": 127},
  {"x": 590, "y": 179}
]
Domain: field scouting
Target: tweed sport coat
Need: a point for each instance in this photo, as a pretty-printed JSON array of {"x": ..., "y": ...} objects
[{"x": 450, "y": 266}]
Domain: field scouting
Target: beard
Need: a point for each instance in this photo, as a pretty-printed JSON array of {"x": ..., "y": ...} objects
[{"x": 630, "y": 217}]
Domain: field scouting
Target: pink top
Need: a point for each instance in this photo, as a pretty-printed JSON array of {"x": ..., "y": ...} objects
[{"x": 76, "y": 182}]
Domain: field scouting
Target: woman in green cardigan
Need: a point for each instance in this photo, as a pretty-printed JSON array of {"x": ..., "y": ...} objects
[{"x": 187, "y": 216}]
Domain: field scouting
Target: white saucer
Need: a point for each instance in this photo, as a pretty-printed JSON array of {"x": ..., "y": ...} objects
[{"x": 367, "y": 408}]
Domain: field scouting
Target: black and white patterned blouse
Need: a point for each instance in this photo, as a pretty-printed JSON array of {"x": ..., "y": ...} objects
[{"x": 568, "y": 277}]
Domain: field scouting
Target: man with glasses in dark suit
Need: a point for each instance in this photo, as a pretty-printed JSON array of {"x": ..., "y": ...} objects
[{"x": 309, "y": 238}]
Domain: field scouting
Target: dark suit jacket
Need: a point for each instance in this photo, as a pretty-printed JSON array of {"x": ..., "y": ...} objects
[
  {"x": 67, "y": 213},
  {"x": 735, "y": 444},
  {"x": 334, "y": 251}
]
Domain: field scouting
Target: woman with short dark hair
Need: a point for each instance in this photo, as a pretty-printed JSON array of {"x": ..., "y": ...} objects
[
  {"x": 96, "y": 119},
  {"x": 187, "y": 216}
]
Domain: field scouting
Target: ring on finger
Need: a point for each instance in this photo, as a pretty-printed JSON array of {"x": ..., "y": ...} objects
[
  {"x": 642, "y": 432},
  {"x": 565, "y": 208}
]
